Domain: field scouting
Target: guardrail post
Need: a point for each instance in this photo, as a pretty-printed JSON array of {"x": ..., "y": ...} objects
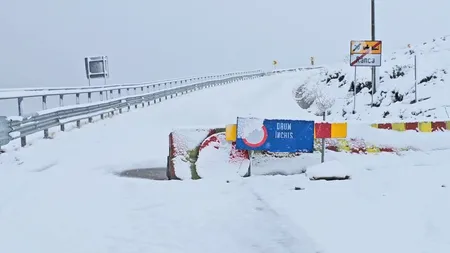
[
  {"x": 61, "y": 104},
  {"x": 143, "y": 100},
  {"x": 89, "y": 101},
  {"x": 77, "y": 101},
  {"x": 154, "y": 88},
  {"x": 111, "y": 93},
  {"x": 44, "y": 107},
  {"x": 135, "y": 91},
  {"x": 148, "y": 92},
  {"x": 101, "y": 99},
  {"x": 128, "y": 91},
  {"x": 23, "y": 140},
  {"x": 120, "y": 95},
  {"x": 171, "y": 95}
]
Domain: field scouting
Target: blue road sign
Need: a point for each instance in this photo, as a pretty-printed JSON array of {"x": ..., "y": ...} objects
[{"x": 275, "y": 135}]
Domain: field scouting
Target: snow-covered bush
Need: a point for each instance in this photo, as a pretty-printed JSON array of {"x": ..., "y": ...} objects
[{"x": 324, "y": 100}]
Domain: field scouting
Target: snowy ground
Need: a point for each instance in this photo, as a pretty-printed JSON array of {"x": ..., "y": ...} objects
[
  {"x": 395, "y": 96},
  {"x": 392, "y": 204},
  {"x": 60, "y": 195}
]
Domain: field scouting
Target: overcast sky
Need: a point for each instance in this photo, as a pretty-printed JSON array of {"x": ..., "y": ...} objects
[{"x": 43, "y": 43}]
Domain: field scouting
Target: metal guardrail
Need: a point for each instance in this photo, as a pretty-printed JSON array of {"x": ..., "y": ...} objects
[
  {"x": 29, "y": 91},
  {"x": 15, "y": 127},
  {"x": 61, "y": 96},
  {"x": 112, "y": 98},
  {"x": 295, "y": 69}
]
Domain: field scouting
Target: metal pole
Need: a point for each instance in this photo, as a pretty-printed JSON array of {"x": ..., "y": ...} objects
[
  {"x": 249, "y": 171},
  {"x": 374, "y": 85},
  {"x": 23, "y": 139},
  {"x": 322, "y": 159},
  {"x": 44, "y": 107},
  {"x": 415, "y": 77},
  {"x": 354, "y": 93}
]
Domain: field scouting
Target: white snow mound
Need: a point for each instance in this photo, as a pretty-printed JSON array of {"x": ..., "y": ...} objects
[{"x": 328, "y": 169}]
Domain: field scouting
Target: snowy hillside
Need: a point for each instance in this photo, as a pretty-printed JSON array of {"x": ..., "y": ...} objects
[{"x": 394, "y": 99}]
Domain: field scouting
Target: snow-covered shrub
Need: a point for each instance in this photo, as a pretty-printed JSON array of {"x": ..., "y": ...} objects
[{"x": 324, "y": 100}]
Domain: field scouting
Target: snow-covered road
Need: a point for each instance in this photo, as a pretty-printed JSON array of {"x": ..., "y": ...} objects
[{"x": 61, "y": 195}]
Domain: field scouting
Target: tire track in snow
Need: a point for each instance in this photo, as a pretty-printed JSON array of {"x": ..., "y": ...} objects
[{"x": 286, "y": 236}]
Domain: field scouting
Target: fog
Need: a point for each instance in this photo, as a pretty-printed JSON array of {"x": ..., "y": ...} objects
[{"x": 43, "y": 43}]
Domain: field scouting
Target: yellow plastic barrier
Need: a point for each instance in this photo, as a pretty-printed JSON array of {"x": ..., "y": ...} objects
[
  {"x": 399, "y": 127},
  {"x": 425, "y": 127},
  {"x": 230, "y": 132},
  {"x": 339, "y": 130}
]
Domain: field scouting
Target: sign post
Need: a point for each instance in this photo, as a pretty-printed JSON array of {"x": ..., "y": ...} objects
[
  {"x": 365, "y": 53},
  {"x": 354, "y": 93},
  {"x": 96, "y": 67},
  {"x": 415, "y": 78}
]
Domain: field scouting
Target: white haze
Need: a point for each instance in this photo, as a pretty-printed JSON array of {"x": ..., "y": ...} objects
[{"x": 43, "y": 43}]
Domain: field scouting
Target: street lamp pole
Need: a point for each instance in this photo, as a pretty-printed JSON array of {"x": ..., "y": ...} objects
[{"x": 372, "y": 8}]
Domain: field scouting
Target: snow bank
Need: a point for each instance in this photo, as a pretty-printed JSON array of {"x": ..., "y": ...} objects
[{"x": 328, "y": 170}]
